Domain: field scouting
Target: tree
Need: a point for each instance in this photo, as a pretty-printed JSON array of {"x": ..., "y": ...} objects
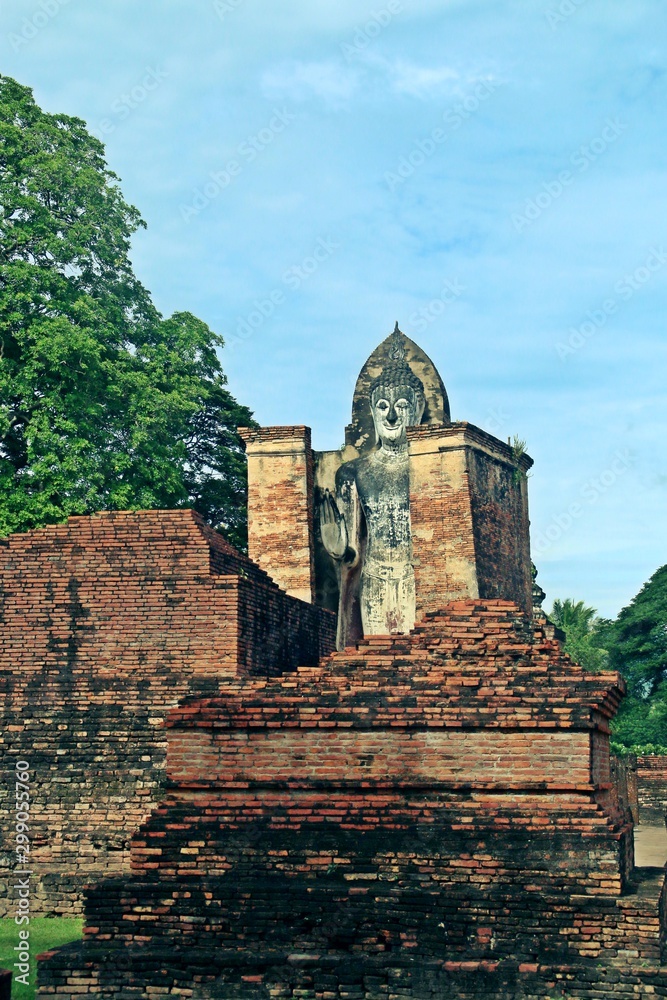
[
  {"x": 640, "y": 638},
  {"x": 103, "y": 403},
  {"x": 637, "y": 643},
  {"x": 582, "y": 628}
]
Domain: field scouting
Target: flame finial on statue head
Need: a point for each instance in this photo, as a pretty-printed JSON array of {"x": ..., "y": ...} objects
[
  {"x": 397, "y": 347},
  {"x": 396, "y": 372}
]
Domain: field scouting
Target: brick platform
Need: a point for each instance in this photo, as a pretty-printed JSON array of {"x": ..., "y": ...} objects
[
  {"x": 107, "y": 621},
  {"x": 420, "y": 816}
]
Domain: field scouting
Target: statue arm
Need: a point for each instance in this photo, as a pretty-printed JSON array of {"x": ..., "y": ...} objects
[
  {"x": 340, "y": 519},
  {"x": 347, "y": 496},
  {"x": 332, "y": 527}
]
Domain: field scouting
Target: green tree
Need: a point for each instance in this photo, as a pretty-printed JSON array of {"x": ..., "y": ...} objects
[
  {"x": 582, "y": 632},
  {"x": 637, "y": 642},
  {"x": 104, "y": 404}
]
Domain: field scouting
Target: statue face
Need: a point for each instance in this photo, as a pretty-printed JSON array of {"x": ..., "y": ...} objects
[{"x": 394, "y": 409}]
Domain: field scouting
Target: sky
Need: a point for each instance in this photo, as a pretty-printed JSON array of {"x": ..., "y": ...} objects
[{"x": 491, "y": 175}]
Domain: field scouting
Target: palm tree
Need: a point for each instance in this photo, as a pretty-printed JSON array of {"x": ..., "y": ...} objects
[
  {"x": 582, "y": 629},
  {"x": 576, "y": 617}
]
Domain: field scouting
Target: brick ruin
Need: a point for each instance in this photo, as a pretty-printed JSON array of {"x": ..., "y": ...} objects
[
  {"x": 418, "y": 815},
  {"x": 421, "y": 816},
  {"x": 651, "y": 781},
  {"x": 468, "y": 501},
  {"x": 106, "y": 622}
]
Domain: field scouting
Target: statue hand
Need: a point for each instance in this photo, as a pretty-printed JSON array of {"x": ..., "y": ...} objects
[{"x": 332, "y": 527}]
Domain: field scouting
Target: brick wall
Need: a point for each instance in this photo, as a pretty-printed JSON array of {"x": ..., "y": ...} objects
[
  {"x": 486, "y": 759},
  {"x": 441, "y": 518},
  {"x": 624, "y": 776},
  {"x": 298, "y": 976},
  {"x": 501, "y": 527},
  {"x": 357, "y": 829},
  {"x": 106, "y": 622},
  {"x": 652, "y": 789},
  {"x": 281, "y": 506},
  {"x": 469, "y": 514}
]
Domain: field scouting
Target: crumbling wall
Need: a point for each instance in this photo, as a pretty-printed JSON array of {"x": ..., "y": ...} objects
[
  {"x": 107, "y": 621},
  {"x": 469, "y": 515},
  {"x": 501, "y": 528},
  {"x": 423, "y": 816},
  {"x": 652, "y": 789},
  {"x": 281, "y": 505},
  {"x": 624, "y": 778}
]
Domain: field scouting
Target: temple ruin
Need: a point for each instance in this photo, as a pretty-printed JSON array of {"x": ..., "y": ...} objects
[{"x": 426, "y": 810}]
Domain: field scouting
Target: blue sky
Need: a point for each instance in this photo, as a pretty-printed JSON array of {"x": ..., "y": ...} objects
[{"x": 491, "y": 175}]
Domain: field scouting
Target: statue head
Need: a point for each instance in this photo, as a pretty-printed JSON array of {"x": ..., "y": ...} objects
[{"x": 397, "y": 396}]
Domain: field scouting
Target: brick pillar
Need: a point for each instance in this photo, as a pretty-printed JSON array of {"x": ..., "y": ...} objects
[
  {"x": 280, "y": 506},
  {"x": 469, "y": 512},
  {"x": 441, "y": 518}
]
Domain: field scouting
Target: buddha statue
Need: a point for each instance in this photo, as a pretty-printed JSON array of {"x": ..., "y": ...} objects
[{"x": 365, "y": 526}]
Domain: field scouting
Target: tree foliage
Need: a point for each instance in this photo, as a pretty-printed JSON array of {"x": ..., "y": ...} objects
[
  {"x": 582, "y": 632},
  {"x": 104, "y": 404},
  {"x": 637, "y": 642}
]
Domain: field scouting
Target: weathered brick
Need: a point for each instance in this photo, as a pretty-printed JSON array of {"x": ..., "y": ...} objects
[
  {"x": 426, "y": 843},
  {"x": 106, "y": 622}
]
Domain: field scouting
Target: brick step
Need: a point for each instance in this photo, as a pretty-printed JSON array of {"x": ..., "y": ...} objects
[
  {"x": 626, "y": 929},
  {"x": 76, "y": 971}
]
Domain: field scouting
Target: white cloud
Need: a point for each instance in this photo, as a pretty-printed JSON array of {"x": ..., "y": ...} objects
[
  {"x": 329, "y": 81},
  {"x": 421, "y": 81},
  {"x": 372, "y": 76}
]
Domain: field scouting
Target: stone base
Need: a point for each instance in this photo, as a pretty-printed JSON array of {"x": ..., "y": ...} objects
[
  {"x": 148, "y": 972},
  {"x": 420, "y": 816}
]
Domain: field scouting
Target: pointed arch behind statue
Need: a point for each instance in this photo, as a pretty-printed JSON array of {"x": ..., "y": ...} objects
[{"x": 360, "y": 433}]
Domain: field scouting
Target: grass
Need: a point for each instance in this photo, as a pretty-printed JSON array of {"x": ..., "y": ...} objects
[{"x": 45, "y": 933}]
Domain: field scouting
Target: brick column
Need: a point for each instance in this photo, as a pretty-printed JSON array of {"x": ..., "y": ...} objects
[
  {"x": 469, "y": 512},
  {"x": 280, "y": 506},
  {"x": 441, "y": 517}
]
